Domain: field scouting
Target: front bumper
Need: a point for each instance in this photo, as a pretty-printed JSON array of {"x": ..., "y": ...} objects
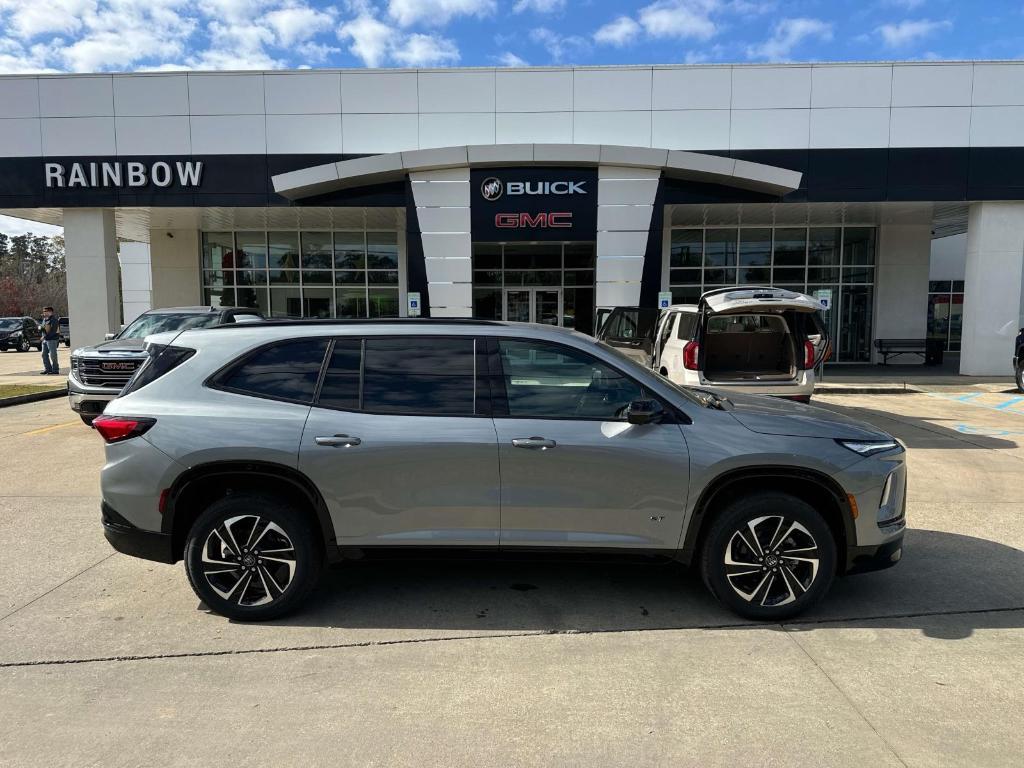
[
  {"x": 126, "y": 538},
  {"x": 89, "y": 400},
  {"x": 866, "y": 559}
]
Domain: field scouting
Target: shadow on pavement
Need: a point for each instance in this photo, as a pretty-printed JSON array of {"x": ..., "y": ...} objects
[
  {"x": 918, "y": 432},
  {"x": 940, "y": 573}
]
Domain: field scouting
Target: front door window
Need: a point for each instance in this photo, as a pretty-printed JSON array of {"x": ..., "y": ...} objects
[{"x": 533, "y": 305}]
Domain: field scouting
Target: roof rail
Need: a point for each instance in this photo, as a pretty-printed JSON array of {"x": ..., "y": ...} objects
[{"x": 280, "y": 322}]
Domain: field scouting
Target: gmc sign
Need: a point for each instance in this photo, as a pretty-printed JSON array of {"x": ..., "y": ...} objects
[
  {"x": 540, "y": 220},
  {"x": 533, "y": 204}
]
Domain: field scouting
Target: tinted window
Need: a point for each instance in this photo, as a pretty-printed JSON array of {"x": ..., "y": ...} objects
[
  {"x": 686, "y": 323},
  {"x": 341, "y": 383},
  {"x": 419, "y": 375},
  {"x": 287, "y": 371},
  {"x": 543, "y": 380}
]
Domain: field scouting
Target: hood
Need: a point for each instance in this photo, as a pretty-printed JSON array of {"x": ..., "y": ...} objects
[
  {"x": 774, "y": 416},
  {"x": 115, "y": 347}
]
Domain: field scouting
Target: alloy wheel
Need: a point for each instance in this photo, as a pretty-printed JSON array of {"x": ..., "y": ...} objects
[
  {"x": 23, "y": 346},
  {"x": 248, "y": 560},
  {"x": 771, "y": 561}
]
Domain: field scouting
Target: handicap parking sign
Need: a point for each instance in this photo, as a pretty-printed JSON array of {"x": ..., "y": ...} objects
[
  {"x": 664, "y": 299},
  {"x": 825, "y": 297}
]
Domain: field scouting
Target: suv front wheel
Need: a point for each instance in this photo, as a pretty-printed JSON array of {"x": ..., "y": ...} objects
[
  {"x": 252, "y": 558},
  {"x": 769, "y": 556}
]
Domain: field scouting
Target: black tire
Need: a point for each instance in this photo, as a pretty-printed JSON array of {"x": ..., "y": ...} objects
[
  {"x": 24, "y": 346},
  {"x": 732, "y": 534},
  {"x": 67, "y": 342},
  {"x": 1020, "y": 377},
  {"x": 87, "y": 420},
  {"x": 295, "y": 564}
]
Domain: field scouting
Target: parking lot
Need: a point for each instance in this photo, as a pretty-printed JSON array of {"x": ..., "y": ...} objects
[{"x": 109, "y": 660}]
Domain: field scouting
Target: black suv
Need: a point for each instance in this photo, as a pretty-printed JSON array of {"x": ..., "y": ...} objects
[{"x": 20, "y": 334}]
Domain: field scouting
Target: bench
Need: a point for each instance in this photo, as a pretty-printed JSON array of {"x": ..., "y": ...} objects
[{"x": 890, "y": 347}]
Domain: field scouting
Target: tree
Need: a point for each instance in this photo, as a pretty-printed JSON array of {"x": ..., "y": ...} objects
[{"x": 32, "y": 274}]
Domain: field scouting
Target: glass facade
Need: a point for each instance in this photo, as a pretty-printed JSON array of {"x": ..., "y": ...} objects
[
  {"x": 342, "y": 273},
  {"x": 837, "y": 259},
  {"x": 946, "y": 312},
  {"x": 527, "y": 281}
]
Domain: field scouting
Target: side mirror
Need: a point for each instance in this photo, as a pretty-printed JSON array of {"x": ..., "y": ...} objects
[
  {"x": 109, "y": 336},
  {"x": 642, "y": 412}
]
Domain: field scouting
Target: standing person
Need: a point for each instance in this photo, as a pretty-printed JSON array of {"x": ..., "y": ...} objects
[{"x": 50, "y": 328}]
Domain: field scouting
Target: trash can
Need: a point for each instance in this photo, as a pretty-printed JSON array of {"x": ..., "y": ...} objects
[{"x": 933, "y": 349}]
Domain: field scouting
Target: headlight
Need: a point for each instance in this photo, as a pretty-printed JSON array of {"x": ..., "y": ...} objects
[{"x": 869, "y": 447}]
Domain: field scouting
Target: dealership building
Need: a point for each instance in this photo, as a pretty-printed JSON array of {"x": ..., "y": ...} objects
[{"x": 538, "y": 194}]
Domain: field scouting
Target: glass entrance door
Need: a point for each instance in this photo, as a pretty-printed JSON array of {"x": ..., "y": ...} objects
[{"x": 533, "y": 305}]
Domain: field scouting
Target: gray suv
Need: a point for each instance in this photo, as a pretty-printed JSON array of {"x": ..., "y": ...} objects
[{"x": 258, "y": 453}]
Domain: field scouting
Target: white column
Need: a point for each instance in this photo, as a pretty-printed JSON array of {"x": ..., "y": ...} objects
[
  {"x": 91, "y": 255},
  {"x": 136, "y": 280},
  {"x": 901, "y": 284},
  {"x": 174, "y": 265},
  {"x": 625, "y": 201},
  {"x": 992, "y": 287},
  {"x": 442, "y": 210}
]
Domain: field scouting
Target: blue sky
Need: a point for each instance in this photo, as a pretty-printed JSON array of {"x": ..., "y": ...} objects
[
  {"x": 126, "y": 35},
  {"x": 129, "y": 35}
]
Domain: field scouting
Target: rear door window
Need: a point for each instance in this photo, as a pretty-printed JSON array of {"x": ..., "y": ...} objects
[
  {"x": 687, "y": 322},
  {"x": 285, "y": 371}
]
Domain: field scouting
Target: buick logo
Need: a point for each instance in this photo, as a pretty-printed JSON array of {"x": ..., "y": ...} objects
[{"x": 492, "y": 188}]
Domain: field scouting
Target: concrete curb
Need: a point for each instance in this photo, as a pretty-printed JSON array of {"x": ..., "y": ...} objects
[
  {"x": 34, "y": 397},
  {"x": 853, "y": 389}
]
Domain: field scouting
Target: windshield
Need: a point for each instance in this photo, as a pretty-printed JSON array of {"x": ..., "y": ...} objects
[
  {"x": 159, "y": 322},
  {"x": 636, "y": 368},
  {"x": 10, "y": 323}
]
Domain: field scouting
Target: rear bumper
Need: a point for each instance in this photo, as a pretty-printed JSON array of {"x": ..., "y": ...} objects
[
  {"x": 867, "y": 559},
  {"x": 126, "y": 538}
]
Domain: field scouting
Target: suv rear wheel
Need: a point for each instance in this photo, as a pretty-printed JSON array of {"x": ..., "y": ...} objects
[
  {"x": 769, "y": 556},
  {"x": 251, "y": 558}
]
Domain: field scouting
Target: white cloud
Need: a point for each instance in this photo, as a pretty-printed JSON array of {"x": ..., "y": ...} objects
[
  {"x": 620, "y": 32},
  {"x": 509, "y": 59},
  {"x": 906, "y": 32},
  {"x": 559, "y": 47},
  {"x": 437, "y": 12},
  {"x": 787, "y": 35},
  {"x": 680, "y": 18},
  {"x": 298, "y": 23},
  {"x": 378, "y": 43},
  {"x": 371, "y": 39},
  {"x": 28, "y": 19},
  {"x": 538, "y": 6},
  {"x": 418, "y": 50}
]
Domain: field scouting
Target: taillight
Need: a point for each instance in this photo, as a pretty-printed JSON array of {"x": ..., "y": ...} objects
[
  {"x": 114, "y": 429},
  {"x": 808, "y": 355},
  {"x": 690, "y": 353}
]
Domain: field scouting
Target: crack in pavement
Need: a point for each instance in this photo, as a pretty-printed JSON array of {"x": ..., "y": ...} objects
[
  {"x": 850, "y": 701},
  {"x": 56, "y": 587},
  {"x": 494, "y": 636}
]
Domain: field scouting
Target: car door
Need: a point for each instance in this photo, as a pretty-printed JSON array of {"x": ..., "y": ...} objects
[
  {"x": 401, "y": 444},
  {"x": 574, "y": 472},
  {"x": 30, "y": 329}
]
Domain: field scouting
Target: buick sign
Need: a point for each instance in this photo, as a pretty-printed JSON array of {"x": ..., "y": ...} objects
[{"x": 493, "y": 187}]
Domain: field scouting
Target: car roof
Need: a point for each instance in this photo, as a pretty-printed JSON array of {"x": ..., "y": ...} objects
[{"x": 198, "y": 310}]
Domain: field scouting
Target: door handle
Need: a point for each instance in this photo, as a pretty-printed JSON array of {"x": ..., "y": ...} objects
[
  {"x": 338, "y": 441},
  {"x": 534, "y": 443}
]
